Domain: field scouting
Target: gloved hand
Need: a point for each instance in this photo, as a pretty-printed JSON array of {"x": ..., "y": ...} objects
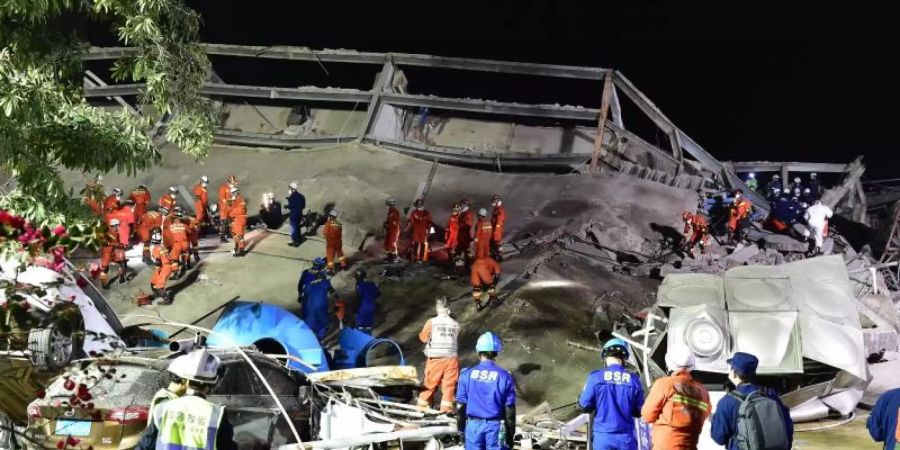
[{"x": 461, "y": 419}]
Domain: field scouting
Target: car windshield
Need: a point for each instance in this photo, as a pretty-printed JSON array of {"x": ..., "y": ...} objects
[{"x": 129, "y": 384}]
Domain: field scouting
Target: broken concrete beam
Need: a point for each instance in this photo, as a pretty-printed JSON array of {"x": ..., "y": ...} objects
[{"x": 740, "y": 256}]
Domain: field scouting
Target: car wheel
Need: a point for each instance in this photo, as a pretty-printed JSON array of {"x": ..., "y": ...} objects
[{"x": 53, "y": 347}]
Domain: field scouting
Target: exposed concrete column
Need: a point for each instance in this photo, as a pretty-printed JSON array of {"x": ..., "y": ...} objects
[
  {"x": 382, "y": 84},
  {"x": 601, "y": 124},
  {"x": 784, "y": 175},
  {"x": 676, "y": 151},
  {"x": 615, "y": 108}
]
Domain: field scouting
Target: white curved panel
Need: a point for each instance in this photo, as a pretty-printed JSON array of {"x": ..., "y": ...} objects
[
  {"x": 691, "y": 289},
  {"x": 771, "y": 336},
  {"x": 839, "y": 346},
  {"x": 704, "y": 331}
]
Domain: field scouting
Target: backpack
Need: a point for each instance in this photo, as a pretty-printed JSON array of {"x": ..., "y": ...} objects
[{"x": 760, "y": 423}]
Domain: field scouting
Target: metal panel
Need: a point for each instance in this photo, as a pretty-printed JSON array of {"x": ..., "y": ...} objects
[
  {"x": 772, "y": 336},
  {"x": 839, "y": 346},
  {"x": 704, "y": 331},
  {"x": 758, "y": 288},
  {"x": 492, "y": 107},
  {"x": 821, "y": 287},
  {"x": 691, "y": 289}
]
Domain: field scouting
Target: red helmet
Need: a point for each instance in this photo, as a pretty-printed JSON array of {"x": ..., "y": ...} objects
[{"x": 687, "y": 216}]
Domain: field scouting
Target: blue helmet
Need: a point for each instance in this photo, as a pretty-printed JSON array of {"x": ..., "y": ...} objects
[
  {"x": 489, "y": 342},
  {"x": 616, "y": 348},
  {"x": 318, "y": 263}
]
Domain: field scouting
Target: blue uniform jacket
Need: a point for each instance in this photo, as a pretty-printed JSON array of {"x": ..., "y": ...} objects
[
  {"x": 315, "y": 306},
  {"x": 366, "y": 293},
  {"x": 724, "y": 421},
  {"x": 486, "y": 389},
  {"x": 306, "y": 277},
  {"x": 296, "y": 203},
  {"x": 882, "y": 423},
  {"x": 616, "y": 397}
]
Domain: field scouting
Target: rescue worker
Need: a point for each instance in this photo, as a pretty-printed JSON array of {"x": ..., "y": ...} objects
[
  {"x": 112, "y": 251},
  {"x": 93, "y": 195},
  {"x": 314, "y": 310},
  {"x": 193, "y": 235},
  {"x": 486, "y": 400},
  {"x": 201, "y": 199},
  {"x": 817, "y": 217},
  {"x": 141, "y": 198},
  {"x": 190, "y": 421},
  {"x": 797, "y": 184},
  {"x": 677, "y": 405},
  {"x": 420, "y": 223},
  {"x": 149, "y": 221},
  {"x": 391, "y": 229},
  {"x": 815, "y": 187},
  {"x": 124, "y": 214},
  {"x": 296, "y": 203},
  {"x": 113, "y": 201},
  {"x": 742, "y": 373},
  {"x": 696, "y": 232},
  {"x": 451, "y": 233},
  {"x": 366, "y": 294},
  {"x": 224, "y": 201},
  {"x": 739, "y": 216},
  {"x": 806, "y": 197},
  {"x": 170, "y": 199},
  {"x": 237, "y": 215},
  {"x": 178, "y": 231},
  {"x": 307, "y": 276},
  {"x": 751, "y": 182},
  {"x": 498, "y": 221},
  {"x": 440, "y": 334},
  {"x": 466, "y": 223},
  {"x": 613, "y": 397},
  {"x": 482, "y": 235},
  {"x": 485, "y": 274},
  {"x": 270, "y": 212},
  {"x": 176, "y": 388},
  {"x": 775, "y": 183},
  {"x": 165, "y": 266},
  {"x": 334, "y": 247},
  {"x": 882, "y": 422}
]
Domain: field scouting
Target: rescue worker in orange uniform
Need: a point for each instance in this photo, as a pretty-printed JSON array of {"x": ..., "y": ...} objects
[
  {"x": 165, "y": 225},
  {"x": 677, "y": 405},
  {"x": 440, "y": 335},
  {"x": 141, "y": 198},
  {"x": 224, "y": 201},
  {"x": 113, "y": 201},
  {"x": 482, "y": 235},
  {"x": 485, "y": 274},
  {"x": 112, "y": 251},
  {"x": 498, "y": 220},
  {"x": 93, "y": 195},
  {"x": 193, "y": 233},
  {"x": 420, "y": 223},
  {"x": 334, "y": 246},
  {"x": 237, "y": 215},
  {"x": 149, "y": 221},
  {"x": 696, "y": 232},
  {"x": 466, "y": 223},
  {"x": 169, "y": 200},
  {"x": 451, "y": 233},
  {"x": 391, "y": 229},
  {"x": 178, "y": 230},
  {"x": 124, "y": 214},
  {"x": 201, "y": 199},
  {"x": 739, "y": 216},
  {"x": 165, "y": 266}
]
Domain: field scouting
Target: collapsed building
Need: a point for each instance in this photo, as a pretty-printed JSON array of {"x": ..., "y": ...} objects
[{"x": 594, "y": 215}]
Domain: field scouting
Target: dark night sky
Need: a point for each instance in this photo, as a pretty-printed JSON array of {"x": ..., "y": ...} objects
[{"x": 747, "y": 80}]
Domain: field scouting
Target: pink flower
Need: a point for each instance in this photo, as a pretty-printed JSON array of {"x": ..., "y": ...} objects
[{"x": 59, "y": 230}]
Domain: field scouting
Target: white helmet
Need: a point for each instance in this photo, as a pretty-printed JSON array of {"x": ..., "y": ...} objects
[
  {"x": 333, "y": 213},
  {"x": 173, "y": 189},
  {"x": 680, "y": 358},
  {"x": 797, "y": 180},
  {"x": 390, "y": 201},
  {"x": 114, "y": 222},
  {"x": 482, "y": 212},
  {"x": 233, "y": 189},
  {"x": 204, "y": 179},
  {"x": 752, "y": 176},
  {"x": 294, "y": 185},
  {"x": 270, "y": 195},
  {"x": 198, "y": 366}
]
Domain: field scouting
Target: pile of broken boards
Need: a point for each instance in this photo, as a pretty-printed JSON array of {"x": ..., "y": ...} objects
[{"x": 810, "y": 322}]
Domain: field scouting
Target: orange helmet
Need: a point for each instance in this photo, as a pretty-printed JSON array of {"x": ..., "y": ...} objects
[{"x": 687, "y": 216}]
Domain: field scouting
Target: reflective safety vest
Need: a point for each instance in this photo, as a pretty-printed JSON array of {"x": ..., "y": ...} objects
[
  {"x": 160, "y": 396},
  {"x": 187, "y": 423},
  {"x": 444, "y": 333}
]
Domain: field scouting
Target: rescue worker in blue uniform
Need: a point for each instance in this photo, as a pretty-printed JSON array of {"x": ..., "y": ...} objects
[
  {"x": 296, "y": 202},
  {"x": 613, "y": 396},
  {"x": 307, "y": 276},
  {"x": 882, "y": 423},
  {"x": 486, "y": 400},
  {"x": 366, "y": 294},
  {"x": 314, "y": 310}
]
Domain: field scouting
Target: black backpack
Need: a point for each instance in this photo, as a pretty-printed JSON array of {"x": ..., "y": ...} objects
[{"x": 760, "y": 423}]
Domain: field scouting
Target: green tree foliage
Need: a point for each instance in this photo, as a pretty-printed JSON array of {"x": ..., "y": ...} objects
[{"x": 45, "y": 123}]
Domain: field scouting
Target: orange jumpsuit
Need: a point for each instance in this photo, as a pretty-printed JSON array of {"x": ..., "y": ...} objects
[
  {"x": 110, "y": 203},
  {"x": 442, "y": 366},
  {"x": 739, "y": 212},
  {"x": 451, "y": 234},
  {"x": 201, "y": 201},
  {"x": 334, "y": 246},
  {"x": 93, "y": 197},
  {"x": 126, "y": 219},
  {"x": 484, "y": 273},
  {"x": 179, "y": 232},
  {"x": 482, "y": 235},
  {"x": 166, "y": 225},
  {"x": 224, "y": 194},
  {"x": 165, "y": 267},
  {"x": 166, "y": 201},
  {"x": 141, "y": 199},
  {"x": 391, "y": 231},
  {"x": 466, "y": 222},
  {"x": 112, "y": 251},
  {"x": 677, "y": 406},
  {"x": 237, "y": 212},
  {"x": 498, "y": 220},
  {"x": 420, "y": 221},
  {"x": 149, "y": 221},
  {"x": 696, "y": 232},
  {"x": 193, "y": 234}
]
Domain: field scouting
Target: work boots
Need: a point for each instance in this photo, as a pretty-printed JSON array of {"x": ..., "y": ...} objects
[
  {"x": 123, "y": 272},
  {"x": 164, "y": 295}
]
